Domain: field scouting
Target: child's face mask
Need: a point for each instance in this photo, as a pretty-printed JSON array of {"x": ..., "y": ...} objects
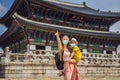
[{"x": 72, "y": 45}]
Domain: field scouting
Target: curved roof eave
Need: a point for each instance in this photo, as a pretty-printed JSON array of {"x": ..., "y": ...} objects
[
  {"x": 68, "y": 29},
  {"x": 11, "y": 11},
  {"x": 8, "y": 32}
]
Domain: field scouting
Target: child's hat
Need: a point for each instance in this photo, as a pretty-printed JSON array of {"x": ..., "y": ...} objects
[{"x": 73, "y": 39}]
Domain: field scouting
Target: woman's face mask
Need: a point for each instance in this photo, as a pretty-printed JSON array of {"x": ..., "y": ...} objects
[{"x": 65, "y": 42}]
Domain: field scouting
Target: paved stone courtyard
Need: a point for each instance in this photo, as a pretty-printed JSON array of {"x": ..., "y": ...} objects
[{"x": 61, "y": 78}]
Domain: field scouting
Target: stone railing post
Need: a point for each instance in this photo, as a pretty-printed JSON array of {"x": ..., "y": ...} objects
[
  {"x": 28, "y": 49},
  {"x": 7, "y": 52},
  {"x": 27, "y": 53},
  {"x": 6, "y": 58}
]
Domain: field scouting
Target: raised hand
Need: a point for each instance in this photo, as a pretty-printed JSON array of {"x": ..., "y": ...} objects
[{"x": 57, "y": 33}]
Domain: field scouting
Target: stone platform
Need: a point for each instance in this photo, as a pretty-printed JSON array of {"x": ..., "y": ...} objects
[{"x": 41, "y": 66}]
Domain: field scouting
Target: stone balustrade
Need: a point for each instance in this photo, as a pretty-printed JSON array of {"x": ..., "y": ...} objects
[
  {"x": 42, "y": 56},
  {"x": 38, "y": 56},
  {"x": 100, "y": 59}
]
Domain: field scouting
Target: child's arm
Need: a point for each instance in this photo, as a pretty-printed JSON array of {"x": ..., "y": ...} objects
[
  {"x": 72, "y": 55},
  {"x": 72, "y": 60},
  {"x": 59, "y": 45}
]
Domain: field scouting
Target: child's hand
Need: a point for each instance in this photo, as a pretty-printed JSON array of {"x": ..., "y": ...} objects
[{"x": 57, "y": 34}]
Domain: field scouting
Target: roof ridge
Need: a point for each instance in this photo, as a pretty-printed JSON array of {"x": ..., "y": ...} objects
[{"x": 66, "y": 3}]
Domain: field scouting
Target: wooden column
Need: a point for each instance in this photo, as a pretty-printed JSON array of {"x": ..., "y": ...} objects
[
  {"x": 66, "y": 15},
  {"x": 83, "y": 22},
  {"x": 104, "y": 47},
  {"x": 44, "y": 15},
  {"x": 88, "y": 43},
  {"x": 107, "y": 28},
  {"x": 15, "y": 48},
  {"x": 104, "y": 44},
  {"x": 88, "y": 47},
  {"x": 99, "y": 27},
  {"x": 12, "y": 48},
  {"x": 47, "y": 39},
  {"x": 19, "y": 46}
]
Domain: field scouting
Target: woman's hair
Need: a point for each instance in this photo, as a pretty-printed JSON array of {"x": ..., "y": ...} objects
[
  {"x": 65, "y": 36},
  {"x": 69, "y": 48}
]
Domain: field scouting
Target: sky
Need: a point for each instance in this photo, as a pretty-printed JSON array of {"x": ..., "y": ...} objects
[{"x": 103, "y": 5}]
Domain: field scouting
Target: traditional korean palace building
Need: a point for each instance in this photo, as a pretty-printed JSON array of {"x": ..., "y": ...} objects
[
  {"x": 32, "y": 23},
  {"x": 30, "y": 46}
]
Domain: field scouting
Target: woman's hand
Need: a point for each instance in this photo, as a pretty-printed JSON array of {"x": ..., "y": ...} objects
[
  {"x": 60, "y": 58},
  {"x": 57, "y": 34}
]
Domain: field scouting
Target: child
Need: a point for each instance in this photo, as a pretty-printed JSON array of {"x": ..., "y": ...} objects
[{"x": 76, "y": 53}]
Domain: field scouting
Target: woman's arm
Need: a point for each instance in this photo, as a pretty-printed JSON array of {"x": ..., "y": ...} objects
[{"x": 59, "y": 45}]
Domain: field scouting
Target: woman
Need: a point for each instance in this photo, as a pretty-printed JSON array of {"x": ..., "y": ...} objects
[{"x": 70, "y": 72}]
